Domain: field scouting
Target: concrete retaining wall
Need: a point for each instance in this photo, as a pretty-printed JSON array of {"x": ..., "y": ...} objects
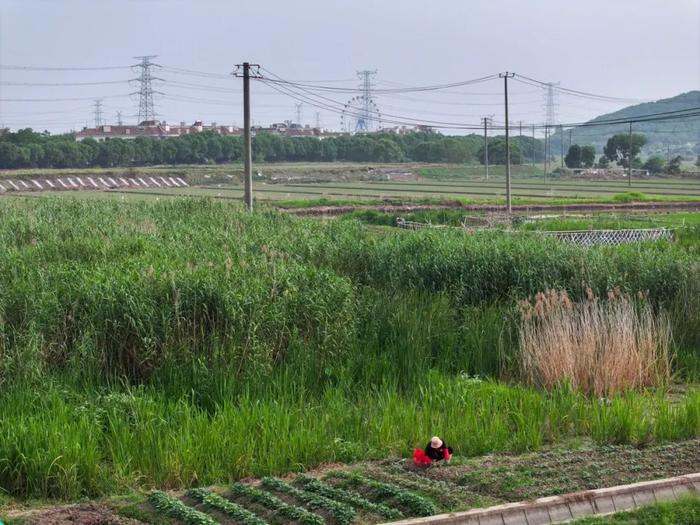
[{"x": 560, "y": 509}]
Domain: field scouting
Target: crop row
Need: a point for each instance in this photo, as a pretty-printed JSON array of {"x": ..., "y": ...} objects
[
  {"x": 272, "y": 502},
  {"x": 417, "y": 504},
  {"x": 175, "y": 508},
  {"x": 316, "y": 485},
  {"x": 342, "y": 514},
  {"x": 444, "y": 492},
  {"x": 232, "y": 510}
]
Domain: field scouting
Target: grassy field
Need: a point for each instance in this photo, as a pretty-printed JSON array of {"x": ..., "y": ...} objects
[
  {"x": 183, "y": 343},
  {"x": 366, "y": 183}
]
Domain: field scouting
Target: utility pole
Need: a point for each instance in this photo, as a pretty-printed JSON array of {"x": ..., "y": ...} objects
[
  {"x": 570, "y": 129},
  {"x": 98, "y": 113},
  {"x": 486, "y": 145},
  {"x": 247, "y": 143},
  {"x": 546, "y": 142},
  {"x": 561, "y": 144},
  {"x": 505, "y": 77},
  {"x": 533, "y": 146},
  {"x": 520, "y": 142},
  {"x": 629, "y": 159}
]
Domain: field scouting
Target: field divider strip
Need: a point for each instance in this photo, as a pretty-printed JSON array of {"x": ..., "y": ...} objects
[{"x": 564, "y": 508}]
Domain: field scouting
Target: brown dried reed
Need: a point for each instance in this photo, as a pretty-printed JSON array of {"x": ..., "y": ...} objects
[{"x": 596, "y": 346}]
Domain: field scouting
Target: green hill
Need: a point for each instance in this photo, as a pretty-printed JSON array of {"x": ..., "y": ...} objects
[{"x": 680, "y": 136}]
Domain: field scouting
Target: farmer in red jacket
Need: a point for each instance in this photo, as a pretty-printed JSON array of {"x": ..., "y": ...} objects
[{"x": 436, "y": 450}]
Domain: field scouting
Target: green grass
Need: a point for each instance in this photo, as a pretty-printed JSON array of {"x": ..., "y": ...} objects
[
  {"x": 685, "y": 511},
  {"x": 140, "y": 343}
]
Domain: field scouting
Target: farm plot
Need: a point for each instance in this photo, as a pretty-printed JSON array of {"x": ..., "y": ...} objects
[{"x": 394, "y": 489}]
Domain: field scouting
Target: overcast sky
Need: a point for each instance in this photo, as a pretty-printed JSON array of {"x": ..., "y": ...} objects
[{"x": 636, "y": 49}]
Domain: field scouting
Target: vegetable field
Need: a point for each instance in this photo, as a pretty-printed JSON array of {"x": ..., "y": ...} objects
[
  {"x": 358, "y": 182},
  {"x": 393, "y": 490}
]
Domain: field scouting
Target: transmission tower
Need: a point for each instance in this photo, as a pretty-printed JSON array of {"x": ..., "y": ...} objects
[
  {"x": 147, "y": 109},
  {"x": 366, "y": 120},
  {"x": 318, "y": 120},
  {"x": 550, "y": 105},
  {"x": 298, "y": 108},
  {"x": 98, "y": 113},
  {"x": 119, "y": 118}
]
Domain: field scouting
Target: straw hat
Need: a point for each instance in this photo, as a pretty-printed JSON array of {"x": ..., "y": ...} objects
[{"x": 436, "y": 442}]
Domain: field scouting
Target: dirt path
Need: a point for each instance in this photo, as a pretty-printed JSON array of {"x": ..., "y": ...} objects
[{"x": 518, "y": 208}]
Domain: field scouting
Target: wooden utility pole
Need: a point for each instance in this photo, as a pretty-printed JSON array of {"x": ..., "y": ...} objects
[
  {"x": 629, "y": 159},
  {"x": 247, "y": 140},
  {"x": 486, "y": 146},
  {"x": 505, "y": 77}
]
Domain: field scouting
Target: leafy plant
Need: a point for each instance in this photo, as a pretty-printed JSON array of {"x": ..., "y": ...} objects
[
  {"x": 417, "y": 504},
  {"x": 231, "y": 509},
  {"x": 274, "y": 503},
  {"x": 175, "y": 508},
  {"x": 343, "y": 514},
  {"x": 319, "y": 487}
]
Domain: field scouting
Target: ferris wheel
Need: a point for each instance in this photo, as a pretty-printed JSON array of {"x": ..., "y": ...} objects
[{"x": 360, "y": 115}]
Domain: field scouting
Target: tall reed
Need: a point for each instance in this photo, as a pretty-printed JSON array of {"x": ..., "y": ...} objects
[{"x": 598, "y": 347}]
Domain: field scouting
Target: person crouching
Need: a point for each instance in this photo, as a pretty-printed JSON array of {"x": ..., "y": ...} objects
[{"x": 437, "y": 450}]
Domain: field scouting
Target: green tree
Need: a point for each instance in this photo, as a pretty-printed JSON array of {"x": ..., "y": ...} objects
[
  {"x": 603, "y": 162},
  {"x": 587, "y": 156},
  {"x": 674, "y": 165},
  {"x": 619, "y": 147},
  {"x": 573, "y": 156},
  {"x": 654, "y": 164},
  {"x": 8, "y": 155},
  {"x": 497, "y": 152}
]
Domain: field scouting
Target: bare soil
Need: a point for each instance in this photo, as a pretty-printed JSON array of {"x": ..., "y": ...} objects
[{"x": 83, "y": 514}]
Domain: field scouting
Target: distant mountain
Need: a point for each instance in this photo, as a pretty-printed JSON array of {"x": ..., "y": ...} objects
[{"x": 680, "y": 136}]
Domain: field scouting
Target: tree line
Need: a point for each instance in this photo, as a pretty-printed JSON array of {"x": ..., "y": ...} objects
[
  {"x": 28, "y": 149},
  {"x": 620, "y": 148}
]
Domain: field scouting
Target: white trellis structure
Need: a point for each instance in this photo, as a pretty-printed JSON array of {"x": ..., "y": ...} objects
[
  {"x": 579, "y": 237},
  {"x": 611, "y": 237}
]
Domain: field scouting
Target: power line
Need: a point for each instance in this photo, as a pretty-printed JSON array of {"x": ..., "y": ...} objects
[
  {"x": 58, "y": 84},
  {"x": 379, "y": 91},
  {"x": 531, "y": 81},
  {"x": 53, "y": 68},
  {"x": 59, "y": 99}
]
